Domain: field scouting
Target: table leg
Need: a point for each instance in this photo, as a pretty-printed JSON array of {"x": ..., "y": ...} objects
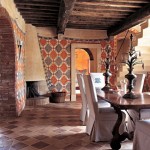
[{"x": 117, "y": 137}]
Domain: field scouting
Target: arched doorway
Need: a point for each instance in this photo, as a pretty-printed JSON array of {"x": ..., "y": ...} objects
[
  {"x": 96, "y": 51},
  {"x": 82, "y": 65},
  {"x": 82, "y": 61}
]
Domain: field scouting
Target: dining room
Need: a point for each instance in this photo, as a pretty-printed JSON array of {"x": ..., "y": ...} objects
[{"x": 40, "y": 47}]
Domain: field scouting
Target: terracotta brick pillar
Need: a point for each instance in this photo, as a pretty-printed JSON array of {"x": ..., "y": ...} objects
[{"x": 7, "y": 66}]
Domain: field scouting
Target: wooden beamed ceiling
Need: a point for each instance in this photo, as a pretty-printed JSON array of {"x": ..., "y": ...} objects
[{"x": 114, "y": 16}]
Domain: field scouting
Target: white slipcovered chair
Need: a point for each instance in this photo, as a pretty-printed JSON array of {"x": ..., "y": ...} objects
[
  {"x": 136, "y": 114},
  {"x": 84, "y": 108},
  {"x": 101, "y": 120},
  {"x": 139, "y": 82},
  {"x": 141, "y": 139},
  {"x": 99, "y": 82}
]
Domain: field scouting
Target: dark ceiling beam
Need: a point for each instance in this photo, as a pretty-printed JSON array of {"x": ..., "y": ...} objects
[
  {"x": 136, "y": 18},
  {"x": 66, "y": 8}
]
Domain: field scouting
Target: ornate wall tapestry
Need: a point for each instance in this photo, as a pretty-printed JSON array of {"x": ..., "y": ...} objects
[
  {"x": 56, "y": 61},
  {"x": 20, "y": 91}
]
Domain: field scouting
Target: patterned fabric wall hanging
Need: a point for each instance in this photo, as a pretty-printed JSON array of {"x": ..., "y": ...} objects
[
  {"x": 20, "y": 90},
  {"x": 56, "y": 60}
]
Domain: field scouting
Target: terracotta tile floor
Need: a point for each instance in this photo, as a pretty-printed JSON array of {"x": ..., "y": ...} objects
[{"x": 55, "y": 126}]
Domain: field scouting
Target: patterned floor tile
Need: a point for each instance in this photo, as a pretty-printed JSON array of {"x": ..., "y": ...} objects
[
  {"x": 40, "y": 145},
  {"x": 41, "y": 137},
  {"x": 55, "y": 126},
  {"x": 22, "y": 138},
  {"x": 19, "y": 146}
]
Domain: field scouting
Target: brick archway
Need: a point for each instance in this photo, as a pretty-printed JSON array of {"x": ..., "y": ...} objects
[{"x": 7, "y": 65}]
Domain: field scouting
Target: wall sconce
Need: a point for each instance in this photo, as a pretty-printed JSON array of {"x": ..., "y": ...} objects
[{"x": 20, "y": 44}]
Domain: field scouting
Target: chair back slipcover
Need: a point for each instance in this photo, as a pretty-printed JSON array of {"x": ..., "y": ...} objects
[
  {"x": 141, "y": 139},
  {"x": 139, "y": 82},
  {"x": 84, "y": 108},
  {"x": 98, "y": 79},
  {"x": 101, "y": 120}
]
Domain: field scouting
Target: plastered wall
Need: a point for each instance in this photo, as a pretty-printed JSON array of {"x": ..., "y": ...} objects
[{"x": 34, "y": 70}]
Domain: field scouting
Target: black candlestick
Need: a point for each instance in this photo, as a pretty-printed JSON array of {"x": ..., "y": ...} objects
[
  {"x": 131, "y": 77},
  {"x": 107, "y": 74},
  {"x": 132, "y": 61}
]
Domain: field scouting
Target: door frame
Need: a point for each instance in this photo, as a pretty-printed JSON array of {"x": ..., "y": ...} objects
[{"x": 73, "y": 73}]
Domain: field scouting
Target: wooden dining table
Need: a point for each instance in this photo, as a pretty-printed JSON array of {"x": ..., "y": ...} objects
[{"x": 119, "y": 103}]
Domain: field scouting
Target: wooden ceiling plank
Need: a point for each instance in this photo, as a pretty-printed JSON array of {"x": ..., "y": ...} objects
[
  {"x": 92, "y": 18},
  {"x": 126, "y": 1},
  {"x": 93, "y": 23},
  {"x": 100, "y": 12},
  {"x": 40, "y": 19},
  {"x": 112, "y": 4},
  {"x": 87, "y": 27},
  {"x": 99, "y": 15},
  {"x": 33, "y": 1},
  {"x": 105, "y": 8},
  {"x": 37, "y": 4},
  {"x": 41, "y": 22},
  {"x": 138, "y": 17},
  {"x": 47, "y": 8},
  {"x": 96, "y": 23},
  {"x": 37, "y": 12},
  {"x": 65, "y": 11}
]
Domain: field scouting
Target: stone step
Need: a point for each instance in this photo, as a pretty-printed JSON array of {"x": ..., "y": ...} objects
[{"x": 41, "y": 100}]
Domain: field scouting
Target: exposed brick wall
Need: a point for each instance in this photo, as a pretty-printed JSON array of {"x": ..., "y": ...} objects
[
  {"x": 12, "y": 99},
  {"x": 7, "y": 66}
]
